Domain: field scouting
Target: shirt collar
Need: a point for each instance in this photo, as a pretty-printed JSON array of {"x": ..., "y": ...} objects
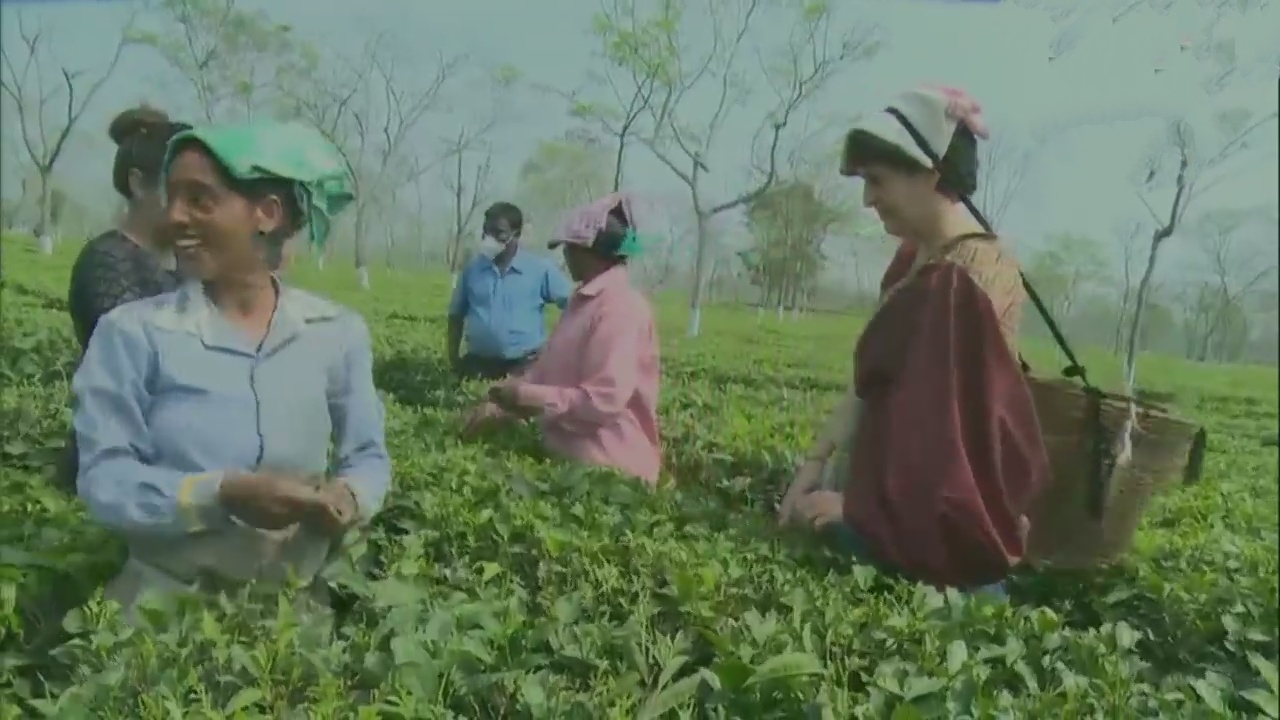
[
  {"x": 192, "y": 311},
  {"x": 615, "y": 276}
]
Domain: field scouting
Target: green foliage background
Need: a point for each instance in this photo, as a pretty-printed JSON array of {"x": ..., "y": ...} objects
[{"x": 498, "y": 584}]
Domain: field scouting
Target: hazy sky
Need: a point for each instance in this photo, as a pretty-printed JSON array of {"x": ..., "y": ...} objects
[{"x": 1089, "y": 115}]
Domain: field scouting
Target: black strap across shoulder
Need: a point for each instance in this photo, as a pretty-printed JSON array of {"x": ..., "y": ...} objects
[{"x": 1103, "y": 456}]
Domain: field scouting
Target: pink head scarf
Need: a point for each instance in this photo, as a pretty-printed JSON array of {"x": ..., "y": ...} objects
[{"x": 581, "y": 224}]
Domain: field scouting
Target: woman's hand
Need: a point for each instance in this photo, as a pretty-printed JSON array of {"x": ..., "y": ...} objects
[
  {"x": 504, "y": 395},
  {"x": 481, "y": 417},
  {"x": 806, "y": 479},
  {"x": 337, "y": 511},
  {"x": 821, "y": 507},
  {"x": 268, "y": 501}
]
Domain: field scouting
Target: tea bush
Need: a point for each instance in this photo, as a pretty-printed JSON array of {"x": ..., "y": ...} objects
[{"x": 499, "y": 584}]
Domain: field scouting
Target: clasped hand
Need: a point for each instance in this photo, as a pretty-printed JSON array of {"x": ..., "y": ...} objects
[
  {"x": 505, "y": 397},
  {"x": 803, "y": 502},
  {"x": 273, "y": 501},
  {"x": 502, "y": 403}
]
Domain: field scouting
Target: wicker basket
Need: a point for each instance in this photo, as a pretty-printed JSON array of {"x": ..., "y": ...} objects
[{"x": 1080, "y": 520}]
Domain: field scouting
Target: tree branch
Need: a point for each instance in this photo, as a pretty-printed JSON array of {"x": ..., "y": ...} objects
[{"x": 821, "y": 65}]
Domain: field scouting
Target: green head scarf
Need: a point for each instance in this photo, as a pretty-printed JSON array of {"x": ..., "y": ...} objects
[{"x": 281, "y": 151}]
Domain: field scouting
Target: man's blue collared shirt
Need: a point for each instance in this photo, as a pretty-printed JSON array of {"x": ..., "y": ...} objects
[{"x": 504, "y": 311}]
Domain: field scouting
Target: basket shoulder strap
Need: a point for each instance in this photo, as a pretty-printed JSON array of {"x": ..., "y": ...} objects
[
  {"x": 1075, "y": 369},
  {"x": 1102, "y": 459}
]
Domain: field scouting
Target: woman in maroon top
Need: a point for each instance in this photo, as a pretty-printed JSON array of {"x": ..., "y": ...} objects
[{"x": 929, "y": 466}]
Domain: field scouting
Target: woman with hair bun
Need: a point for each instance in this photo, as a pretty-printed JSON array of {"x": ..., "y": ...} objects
[
  {"x": 929, "y": 465},
  {"x": 129, "y": 261},
  {"x": 594, "y": 386}
]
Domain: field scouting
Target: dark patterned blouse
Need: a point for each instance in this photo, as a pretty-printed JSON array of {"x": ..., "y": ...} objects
[{"x": 112, "y": 270}]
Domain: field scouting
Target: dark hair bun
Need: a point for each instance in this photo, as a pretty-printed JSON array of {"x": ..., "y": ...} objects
[{"x": 137, "y": 121}]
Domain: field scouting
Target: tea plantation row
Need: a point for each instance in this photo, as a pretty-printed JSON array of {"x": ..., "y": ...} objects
[{"x": 498, "y": 584}]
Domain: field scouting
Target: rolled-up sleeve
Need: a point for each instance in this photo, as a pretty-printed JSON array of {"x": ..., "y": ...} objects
[
  {"x": 121, "y": 489},
  {"x": 358, "y": 423},
  {"x": 611, "y": 372},
  {"x": 458, "y": 301}
]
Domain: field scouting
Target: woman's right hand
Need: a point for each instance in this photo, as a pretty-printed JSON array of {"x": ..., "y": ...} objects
[
  {"x": 807, "y": 478},
  {"x": 269, "y": 501},
  {"x": 486, "y": 414}
]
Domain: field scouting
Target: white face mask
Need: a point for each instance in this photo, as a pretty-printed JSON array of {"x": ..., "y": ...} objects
[{"x": 489, "y": 247}]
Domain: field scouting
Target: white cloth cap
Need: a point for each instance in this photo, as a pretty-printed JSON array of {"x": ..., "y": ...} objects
[{"x": 934, "y": 113}]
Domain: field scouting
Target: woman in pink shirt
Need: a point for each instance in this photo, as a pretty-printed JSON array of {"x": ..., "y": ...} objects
[{"x": 594, "y": 386}]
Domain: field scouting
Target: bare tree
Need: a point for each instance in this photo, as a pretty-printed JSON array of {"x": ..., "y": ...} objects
[
  {"x": 789, "y": 226},
  {"x": 237, "y": 62},
  {"x": 1130, "y": 247},
  {"x": 658, "y": 266},
  {"x": 1191, "y": 178},
  {"x": 362, "y": 107},
  {"x": 47, "y": 111},
  {"x": 562, "y": 173},
  {"x": 1073, "y": 21},
  {"x": 1233, "y": 274},
  {"x": 648, "y": 48},
  {"x": 1066, "y": 269},
  {"x": 467, "y": 180},
  {"x": 629, "y": 92},
  {"x": 665, "y": 225},
  {"x": 1003, "y": 167},
  {"x": 418, "y": 223}
]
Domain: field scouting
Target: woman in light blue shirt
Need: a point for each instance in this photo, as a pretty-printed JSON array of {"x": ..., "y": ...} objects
[{"x": 204, "y": 417}]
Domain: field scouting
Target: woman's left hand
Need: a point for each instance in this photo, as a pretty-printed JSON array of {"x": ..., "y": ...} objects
[{"x": 821, "y": 507}]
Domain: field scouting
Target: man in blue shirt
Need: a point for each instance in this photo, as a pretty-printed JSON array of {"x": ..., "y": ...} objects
[{"x": 500, "y": 298}]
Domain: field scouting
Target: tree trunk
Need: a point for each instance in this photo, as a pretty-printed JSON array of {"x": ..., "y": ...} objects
[
  {"x": 699, "y": 272},
  {"x": 1135, "y": 322},
  {"x": 45, "y": 231},
  {"x": 362, "y": 263},
  {"x": 1117, "y": 341},
  {"x": 1125, "y": 451},
  {"x": 1206, "y": 341}
]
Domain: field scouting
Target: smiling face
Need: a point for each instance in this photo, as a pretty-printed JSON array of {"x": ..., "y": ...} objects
[
  {"x": 217, "y": 231},
  {"x": 905, "y": 201}
]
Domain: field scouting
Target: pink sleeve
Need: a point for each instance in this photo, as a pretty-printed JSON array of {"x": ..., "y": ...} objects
[{"x": 610, "y": 374}]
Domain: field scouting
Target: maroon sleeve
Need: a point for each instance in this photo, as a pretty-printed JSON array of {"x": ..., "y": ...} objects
[{"x": 949, "y": 452}]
